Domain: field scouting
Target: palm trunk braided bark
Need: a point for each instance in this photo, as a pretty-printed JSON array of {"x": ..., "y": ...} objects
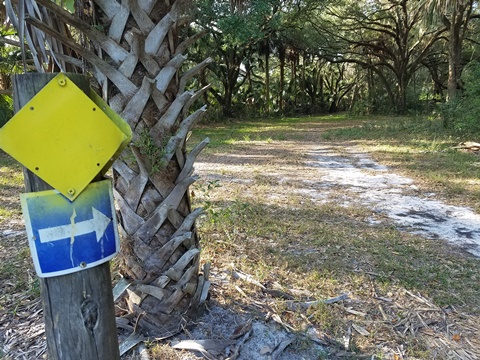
[
  {"x": 160, "y": 247},
  {"x": 141, "y": 57}
]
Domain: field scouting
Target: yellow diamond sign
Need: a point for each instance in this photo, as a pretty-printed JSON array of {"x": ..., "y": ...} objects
[{"x": 65, "y": 137}]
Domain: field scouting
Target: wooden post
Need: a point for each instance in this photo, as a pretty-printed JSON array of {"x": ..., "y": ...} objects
[{"x": 78, "y": 308}]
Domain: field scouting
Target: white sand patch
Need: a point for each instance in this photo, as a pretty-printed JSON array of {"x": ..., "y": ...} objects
[
  {"x": 364, "y": 181},
  {"x": 349, "y": 177},
  {"x": 11, "y": 233},
  {"x": 263, "y": 342}
]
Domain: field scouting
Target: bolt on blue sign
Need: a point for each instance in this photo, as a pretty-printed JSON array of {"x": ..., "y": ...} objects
[{"x": 68, "y": 236}]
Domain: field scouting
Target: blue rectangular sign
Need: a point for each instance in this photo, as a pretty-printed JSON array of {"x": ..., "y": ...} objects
[{"x": 68, "y": 236}]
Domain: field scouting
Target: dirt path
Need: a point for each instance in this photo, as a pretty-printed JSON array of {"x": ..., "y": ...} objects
[
  {"x": 364, "y": 182},
  {"x": 326, "y": 173},
  {"x": 346, "y": 175}
]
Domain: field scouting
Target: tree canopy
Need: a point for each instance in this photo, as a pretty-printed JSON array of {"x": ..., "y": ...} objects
[{"x": 286, "y": 56}]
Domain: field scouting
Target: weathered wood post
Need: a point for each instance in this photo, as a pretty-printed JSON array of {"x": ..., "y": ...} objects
[{"x": 78, "y": 307}]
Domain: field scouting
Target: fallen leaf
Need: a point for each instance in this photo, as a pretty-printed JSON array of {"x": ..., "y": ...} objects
[
  {"x": 242, "y": 329},
  {"x": 456, "y": 337},
  {"x": 360, "y": 330}
]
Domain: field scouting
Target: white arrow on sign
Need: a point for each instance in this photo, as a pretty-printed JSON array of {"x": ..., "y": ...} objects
[{"x": 97, "y": 224}]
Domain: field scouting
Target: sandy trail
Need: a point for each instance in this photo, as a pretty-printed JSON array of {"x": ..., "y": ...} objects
[
  {"x": 344, "y": 175},
  {"x": 367, "y": 183},
  {"x": 327, "y": 173}
]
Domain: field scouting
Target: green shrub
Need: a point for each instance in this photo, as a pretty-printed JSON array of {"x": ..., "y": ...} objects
[
  {"x": 6, "y": 109},
  {"x": 462, "y": 115}
]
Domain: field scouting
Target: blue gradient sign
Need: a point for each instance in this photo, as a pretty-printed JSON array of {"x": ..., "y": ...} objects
[{"x": 66, "y": 236}]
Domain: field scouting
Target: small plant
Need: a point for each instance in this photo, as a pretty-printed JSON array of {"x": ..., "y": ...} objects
[
  {"x": 322, "y": 315},
  {"x": 461, "y": 114},
  {"x": 154, "y": 154},
  {"x": 204, "y": 190}
]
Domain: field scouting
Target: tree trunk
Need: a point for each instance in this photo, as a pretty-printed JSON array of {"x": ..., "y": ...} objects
[
  {"x": 302, "y": 80},
  {"x": 321, "y": 92},
  {"x": 160, "y": 247},
  {"x": 455, "y": 55},
  {"x": 293, "y": 80},
  {"x": 282, "y": 80},
  {"x": 138, "y": 63},
  {"x": 227, "y": 102},
  {"x": 401, "y": 100},
  {"x": 386, "y": 84},
  {"x": 233, "y": 59},
  {"x": 78, "y": 312},
  {"x": 267, "y": 81}
]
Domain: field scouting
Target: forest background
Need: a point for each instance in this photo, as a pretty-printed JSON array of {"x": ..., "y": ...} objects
[{"x": 283, "y": 57}]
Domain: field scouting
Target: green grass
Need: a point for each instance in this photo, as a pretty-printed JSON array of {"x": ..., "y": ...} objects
[
  {"x": 11, "y": 184},
  {"x": 14, "y": 251},
  {"x": 421, "y": 148},
  {"x": 328, "y": 249},
  {"x": 324, "y": 249},
  {"x": 281, "y": 129},
  {"x": 342, "y": 239}
]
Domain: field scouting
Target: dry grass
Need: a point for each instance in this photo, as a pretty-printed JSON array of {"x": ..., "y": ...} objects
[
  {"x": 422, "y": 149},
  {"x": 408, "y": 297},
  {"x": 415, "y": 298},
  {"x": 21, "y": 324}
]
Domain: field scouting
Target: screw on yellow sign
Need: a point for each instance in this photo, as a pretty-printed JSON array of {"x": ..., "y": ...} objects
[{"x": 65, "y": 137}]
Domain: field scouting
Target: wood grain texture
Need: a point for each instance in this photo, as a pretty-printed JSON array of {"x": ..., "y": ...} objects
[{"x": 78, "y": 308}]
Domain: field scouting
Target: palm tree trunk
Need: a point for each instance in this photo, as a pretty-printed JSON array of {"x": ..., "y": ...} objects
[
  {"x": 267, "y": 79},
  {"x": 160, "y": 246},
  {"x": 138, "y": 63}
]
